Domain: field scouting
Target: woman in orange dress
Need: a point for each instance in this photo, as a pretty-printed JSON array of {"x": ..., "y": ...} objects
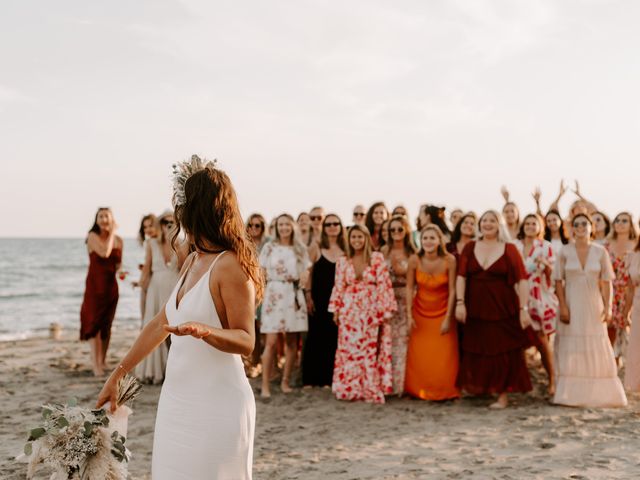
[{"x": 432, "y": 358}]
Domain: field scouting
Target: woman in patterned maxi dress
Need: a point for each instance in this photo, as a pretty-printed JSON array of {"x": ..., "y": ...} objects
[
  {"x": 620, "y": 247},
  {"x": 397, "y": 254},
  {"x": 362, "y": 301},
  {"x": 543, "y": 304}
]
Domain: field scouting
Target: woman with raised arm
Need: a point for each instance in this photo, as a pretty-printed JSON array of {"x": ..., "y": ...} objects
[
  {"x": 159, "y": 276},
  {"x": 584, "y": 363},
  {"x": 397, "y": 254},
  {"x": 210, "y": 314},
  {"x": 432, "y": 359},
  {"x": 284, "y": 309},
  {"x": 632, "y": 308},
  {"x": 101, "y": 290},
  {"x": 362, "y": 303},
  {"x": 494, "y": 315},
  {"x": 511, "y": 214},
  {"x": 620, "y": 246},
  {"x": 376, "y": 216},
  {"x": 543, "y": 304},
  {"x": 318, "y": 355}
]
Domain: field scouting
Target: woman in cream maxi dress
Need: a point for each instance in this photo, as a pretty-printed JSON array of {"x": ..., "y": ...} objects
[{"x": 585, "y": 367}]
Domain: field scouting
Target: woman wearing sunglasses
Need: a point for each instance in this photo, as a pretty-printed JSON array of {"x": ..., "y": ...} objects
[
  {"x": 620, "y": 245},
  {"x": 159, "y": 276},
  {"x": 584, "y": 363},
  {"x": 319, "y": 351},
  {"x": 397, "y": 254}
]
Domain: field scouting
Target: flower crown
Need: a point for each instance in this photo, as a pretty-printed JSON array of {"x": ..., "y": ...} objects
[{"x": 181, "y": 173}]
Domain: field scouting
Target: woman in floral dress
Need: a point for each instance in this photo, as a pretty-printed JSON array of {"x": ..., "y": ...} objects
[
  {"x": 543, "y": 304},
  {"x": 620, "y": 247},
  {"x": 397, "y": 254},
  {"x": 284, "y": 309},
  {"x": 362, "y": 302}
]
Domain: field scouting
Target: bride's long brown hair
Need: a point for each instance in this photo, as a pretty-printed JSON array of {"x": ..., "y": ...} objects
[{"x": 210, "y": 216}]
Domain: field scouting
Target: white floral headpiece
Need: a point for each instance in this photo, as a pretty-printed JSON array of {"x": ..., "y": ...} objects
[{"x": 181, "y": 173}]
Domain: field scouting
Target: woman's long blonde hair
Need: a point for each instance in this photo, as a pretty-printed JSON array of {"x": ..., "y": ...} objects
[{"x": 503, "y": 232}]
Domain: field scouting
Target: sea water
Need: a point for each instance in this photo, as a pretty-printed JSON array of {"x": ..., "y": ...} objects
[{"x": 42, "y": 282}]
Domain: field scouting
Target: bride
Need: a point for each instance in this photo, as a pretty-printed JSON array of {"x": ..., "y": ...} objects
[{"x": 206, "y": 412}]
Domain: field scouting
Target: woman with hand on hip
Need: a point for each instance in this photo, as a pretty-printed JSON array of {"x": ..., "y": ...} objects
[
  {"x": 101, "y": 292},
  {"x": 210, "y": 314},
  {"x": 493, "y": 314},
  {"x": 585, "y": 365}
]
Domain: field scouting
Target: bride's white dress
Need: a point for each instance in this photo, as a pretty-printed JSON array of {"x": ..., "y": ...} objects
[{"x": 206, "y": 413}]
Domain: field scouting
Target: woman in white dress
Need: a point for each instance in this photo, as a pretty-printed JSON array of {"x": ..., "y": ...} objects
[
  {"x": 159, "y": 277},
  {"x": 632, "y": 363},
  {"x": 206, "y": 413},
  {"x": 284, "y": 309},
  {"x": 585, "y": 367}
]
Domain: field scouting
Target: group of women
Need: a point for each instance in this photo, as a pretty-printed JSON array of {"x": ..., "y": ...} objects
[{"x": 376, "y": 309}]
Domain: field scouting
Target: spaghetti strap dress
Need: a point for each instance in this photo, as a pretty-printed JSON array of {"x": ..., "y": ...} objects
[
  {"x": 100, "y": 296},
  {"x": 206, "y": 412},
  {"x": 319, "y": 351}
]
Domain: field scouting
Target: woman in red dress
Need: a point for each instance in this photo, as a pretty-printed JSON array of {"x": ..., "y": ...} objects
[
  {"x": 493, "y": 314},
  {"x": 101, "y": 292}
]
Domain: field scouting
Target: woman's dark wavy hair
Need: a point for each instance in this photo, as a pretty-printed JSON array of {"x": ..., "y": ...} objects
[
  {"x": 369, "y": 218},
  {"x": 521, "y": 235},
  {"x": 547, "y": 231},
  {"x": 457, "y": 230},
  {"x": 95, "y": 228},
  {"x": 436, "y": 214},
  {"x": 148, "y": 216},
  {"x": 210, "y": 216}
]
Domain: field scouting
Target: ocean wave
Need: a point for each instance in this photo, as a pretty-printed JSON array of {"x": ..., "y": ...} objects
[{"x": 14, "y": 296}]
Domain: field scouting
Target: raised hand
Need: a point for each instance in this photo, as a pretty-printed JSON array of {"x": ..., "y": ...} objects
[
  {"x": 536, "y": 195},
  {"x": 505, "y": 193},
  {"x": 576, "y": 190},
  {"x": 563, "y": 189},
  {"x": 194, "y": 329}
]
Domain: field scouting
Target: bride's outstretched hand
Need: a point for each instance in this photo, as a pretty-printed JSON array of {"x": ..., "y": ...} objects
[{"x": 195, "y": 329}]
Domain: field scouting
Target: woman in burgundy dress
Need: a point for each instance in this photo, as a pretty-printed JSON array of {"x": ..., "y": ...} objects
[
  {"x": 101, "y": 293},
  {"x": 494, "y": 321}
]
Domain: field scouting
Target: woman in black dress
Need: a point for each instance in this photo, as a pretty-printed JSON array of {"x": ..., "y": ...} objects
[{"x": 322, "y": 338}]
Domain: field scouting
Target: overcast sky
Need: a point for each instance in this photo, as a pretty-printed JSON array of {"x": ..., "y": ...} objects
[{"x": 314, "y": 102}]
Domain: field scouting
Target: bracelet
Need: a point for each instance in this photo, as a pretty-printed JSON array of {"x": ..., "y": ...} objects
[
  {"x": 459, "y": 302},
  {"x": 525, "y": 308},
  {"x": 123, "y": 369}
]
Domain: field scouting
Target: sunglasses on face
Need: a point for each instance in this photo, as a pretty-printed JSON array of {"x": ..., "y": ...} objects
[
  {"x": 167, "y": 223},
  {"x": 255, "y": 225},
  {"x": 315, "y": 218},
  {"x": 396, "y": 230},
  {"x": 583, "y": 223},
  {"x": 332, "y": 224},
  {"x": 358, "y": 214}
]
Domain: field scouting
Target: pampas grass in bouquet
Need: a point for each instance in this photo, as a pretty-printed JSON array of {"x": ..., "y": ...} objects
[{"x": 80, "y": 443}]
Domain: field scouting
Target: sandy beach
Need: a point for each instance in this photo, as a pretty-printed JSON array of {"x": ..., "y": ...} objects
[{"x": 309, "y": 435}]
